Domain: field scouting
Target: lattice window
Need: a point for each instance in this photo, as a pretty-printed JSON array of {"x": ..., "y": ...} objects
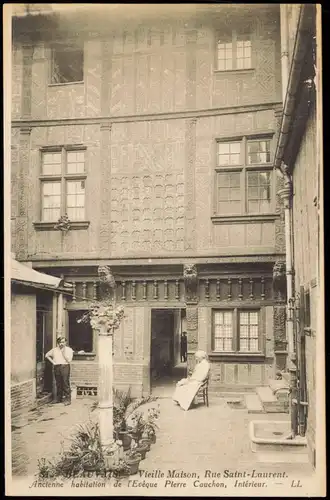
[
  {"x": 236, "y": 330},
  {"x": 223, "y": 331},
  {"x": 249, "y": 331},
  {"x": 63, "y": 184},
  {"x": 234, "y": 51},
  {"x": 244, "y": 176}
]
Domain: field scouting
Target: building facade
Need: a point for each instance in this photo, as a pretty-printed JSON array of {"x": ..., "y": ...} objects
[
  {"x": 146, "y": 142},
  {"x": 299, "y": 156}
]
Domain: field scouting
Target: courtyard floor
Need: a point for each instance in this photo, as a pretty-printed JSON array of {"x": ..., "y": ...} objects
[{"x": 203, "y": 442}]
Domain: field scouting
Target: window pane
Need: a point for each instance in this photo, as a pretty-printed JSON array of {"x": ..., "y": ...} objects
[
  {"x": 80, "y": 334},
  {"x": 51, "y": 163},
  {"x": 75, "y": 199},
  {"x": 75, "y": 162},
  {"x": 229, "y": 153},
  {"x": 225, "y": 55},
  {"x": 259, "y": 192},
  {"x": 229, "y": 194},
  {"x": 51, "y": 201},
  {"x": 259, "y": 152},
  {"x": 249, "y": 331},
  {"x": 223, "y": 331}
]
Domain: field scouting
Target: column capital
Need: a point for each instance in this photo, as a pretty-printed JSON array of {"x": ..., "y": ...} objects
[{"x": 285, "y": 194}]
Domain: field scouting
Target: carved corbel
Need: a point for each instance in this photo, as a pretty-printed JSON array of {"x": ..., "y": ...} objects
[
  {"x": 279, "y": 279},
  {"x": 191, "y": 283}
]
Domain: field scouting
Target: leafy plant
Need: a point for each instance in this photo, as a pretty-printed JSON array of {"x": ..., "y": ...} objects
[
  {"x": 151, "y": 425},
  {"x": 136, "y": 403},
  {"x": 121, "y": 468},
  {"x": 133, "y": 455},
  {"x": 85, "y": 451}
]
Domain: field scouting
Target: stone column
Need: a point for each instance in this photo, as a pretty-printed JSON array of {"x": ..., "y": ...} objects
[
  {"x": 105, "y": 384},
  {"x": 190, "y": 275}
]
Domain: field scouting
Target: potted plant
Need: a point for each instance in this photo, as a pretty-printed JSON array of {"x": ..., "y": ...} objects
[
  {"x": 120, "y": 468},
  {"x": 133, "y": 459},
  {"x": 151, "y": 425}
]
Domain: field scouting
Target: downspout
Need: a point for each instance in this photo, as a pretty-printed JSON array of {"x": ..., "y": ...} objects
[{"x": 289, "y": 88}]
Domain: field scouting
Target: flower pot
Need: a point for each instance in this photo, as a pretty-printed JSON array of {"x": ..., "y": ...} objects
[
  {"x": 126, "y": 439},
  {"x": 133, "y": 464},
  {"x": 110, "y": 460},
  {"x": 145, "y": 441},
  {"x": 142, "y": 449}
]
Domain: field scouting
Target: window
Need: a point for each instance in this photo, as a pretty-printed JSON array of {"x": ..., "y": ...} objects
[
  {"x": 244, "y": 177},
  {"x": 236, "y": 331},
  {"x": 234, "y": 51},
  {"x": 81, "y": 336},
  {"x": 63, "y": 185},
  {"x": 67, "y": 63}
]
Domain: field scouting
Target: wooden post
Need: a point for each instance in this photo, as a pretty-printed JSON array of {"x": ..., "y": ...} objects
[{"x": 105, "y": 384}]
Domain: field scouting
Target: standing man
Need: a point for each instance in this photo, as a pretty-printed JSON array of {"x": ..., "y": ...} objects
[
  {"x": 184, "y": 347},
  {"x": 61, "y": 357}
]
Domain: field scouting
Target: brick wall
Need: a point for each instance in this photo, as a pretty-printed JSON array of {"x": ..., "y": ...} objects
[
  {"x": 85, "y": 373},
  {"x": 23, "y": 396}
]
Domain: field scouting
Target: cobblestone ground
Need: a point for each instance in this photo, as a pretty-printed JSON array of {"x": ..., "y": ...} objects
[{"x": 214, "y": 438}]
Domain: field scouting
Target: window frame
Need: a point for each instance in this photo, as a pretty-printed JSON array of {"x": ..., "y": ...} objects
[
  {"x": 235, "y": 352},
  {"x": 234, "y": 36},
  {"x": 63, "y": 177},
  {"x": 243, "y": 167},
  {"x": 67, "y": 46},
  {"x": 82, "y": 307}
]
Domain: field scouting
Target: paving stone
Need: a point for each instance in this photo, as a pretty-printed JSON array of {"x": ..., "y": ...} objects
[{"x": 214, "y": 438}]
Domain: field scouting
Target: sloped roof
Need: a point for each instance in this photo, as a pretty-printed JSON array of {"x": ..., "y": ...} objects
[{"x": 26, "y": 275}]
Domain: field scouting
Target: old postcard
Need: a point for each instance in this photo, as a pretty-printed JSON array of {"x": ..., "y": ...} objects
[{"x": 164, "y": 250}]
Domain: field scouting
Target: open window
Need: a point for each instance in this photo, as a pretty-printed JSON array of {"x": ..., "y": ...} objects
[
  {"x": 81, "y": 335},
  {"x": 67, "y": 63}
]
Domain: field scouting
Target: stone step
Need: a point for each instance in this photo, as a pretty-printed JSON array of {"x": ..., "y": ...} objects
[
  {"x": 253, "y": 404},
  {"x": 270, "y": 402}
]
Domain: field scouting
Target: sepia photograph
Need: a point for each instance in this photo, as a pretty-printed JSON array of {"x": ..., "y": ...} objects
[{"x": 164, "y": 264}]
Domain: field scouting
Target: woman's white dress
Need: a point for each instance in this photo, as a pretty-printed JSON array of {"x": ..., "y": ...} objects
[{"x": 186, "y": 389}]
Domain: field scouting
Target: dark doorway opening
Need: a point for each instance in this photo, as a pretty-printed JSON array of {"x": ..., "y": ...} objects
[{"x": 166, "y": 365}]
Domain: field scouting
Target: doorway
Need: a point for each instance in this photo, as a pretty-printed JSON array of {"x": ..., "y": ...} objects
[
  {"x": 44, "y": 329},
  {"x": 166, "y": 364}
]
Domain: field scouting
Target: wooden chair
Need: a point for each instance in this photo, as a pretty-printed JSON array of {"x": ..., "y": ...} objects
[{"x": 204, "y": 392}]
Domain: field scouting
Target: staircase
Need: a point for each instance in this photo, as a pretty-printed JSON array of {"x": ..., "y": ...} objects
[{"x": 273, "y": 398}]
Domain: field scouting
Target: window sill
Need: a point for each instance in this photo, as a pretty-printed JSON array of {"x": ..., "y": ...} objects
[
  {"x": 235, "y": 71},
  {"x": 64, "y": 84},
  {"x": 236, "y": 356},
  {"x": 50, "y": 226},
  {"x": 86, "y": 356},
  {"x": 236, "y": 219}
]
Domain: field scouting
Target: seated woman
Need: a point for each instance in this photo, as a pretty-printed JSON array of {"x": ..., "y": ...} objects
[{"x": 187, "y": 388}]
